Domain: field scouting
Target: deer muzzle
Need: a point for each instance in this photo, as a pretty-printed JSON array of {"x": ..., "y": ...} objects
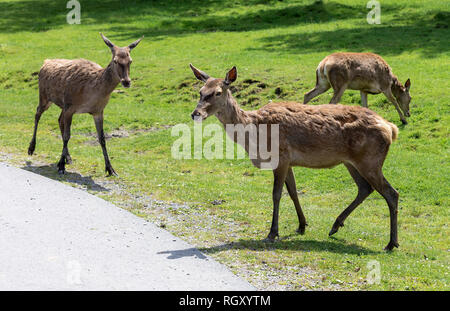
[
  {"x": 197, "y": 115},
  {"x": 126, "y": 83}
]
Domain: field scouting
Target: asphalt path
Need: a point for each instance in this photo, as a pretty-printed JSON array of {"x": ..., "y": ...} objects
[{"x": 55, "y": 237}]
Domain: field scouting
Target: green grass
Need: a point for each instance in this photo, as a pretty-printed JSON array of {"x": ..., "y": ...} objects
[{"x": 278, "y": 43}]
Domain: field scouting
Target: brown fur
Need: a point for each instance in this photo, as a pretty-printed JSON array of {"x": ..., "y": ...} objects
[
  {"x": 80, "y": 81},
  {"x": 319, "y": 136},
  {"x": 81, "y": 86},
  {"x": 366, "y": 72}
]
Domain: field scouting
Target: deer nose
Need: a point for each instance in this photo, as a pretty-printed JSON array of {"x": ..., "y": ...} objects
[
  {"x": 195, "y": 114},
  {"x": 126, "y": 83}
]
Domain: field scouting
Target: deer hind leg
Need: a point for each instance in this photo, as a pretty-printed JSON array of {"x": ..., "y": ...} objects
[
  {"x": 292, "y": 189},
  {"x": 339, "y": 85},
  {"x": 279, "y": 179},
  {"x": 364, "y": 190},
  {"x": 376, "y": 179},
  {"x": 322, "y": 85},
  {"x": 338, "y": 92},
  {"x": 44, "y": 104},
  {"x": 61, "y": 127}
]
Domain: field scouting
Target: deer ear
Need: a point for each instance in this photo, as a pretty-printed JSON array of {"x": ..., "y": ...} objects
[
  {"x": 108, "y": 42},
  {"x": 135, "y": 43},
  {"x": 199, "y": 74},
  {"x": 231, "y": 76},
  {"x": 407, "y": 84}
]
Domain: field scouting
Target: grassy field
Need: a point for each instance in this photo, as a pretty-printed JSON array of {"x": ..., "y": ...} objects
[{"x": 226, "y": 205}]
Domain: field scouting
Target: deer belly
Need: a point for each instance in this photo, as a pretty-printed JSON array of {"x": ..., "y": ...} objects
[
  {"x": 319, "y": 159},
  {"x": 365, "y": 86},
  {"x": 90, "y": 105}
]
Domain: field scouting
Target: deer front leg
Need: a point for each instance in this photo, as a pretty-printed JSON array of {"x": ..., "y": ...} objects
[
  {"x": 98, "y": 119},
  {"x": 392, "y": 99},
  {"x": 42, "y": 107},
  {"x": 279, "y": 178},
  {"x": 67, "y": 120}
]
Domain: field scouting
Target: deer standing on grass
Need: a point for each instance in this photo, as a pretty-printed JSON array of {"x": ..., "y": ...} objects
[
  {"x": 366, "y": 72},
  {"x": 81, "y": 86},
  {"x": 314, "y": 136}
]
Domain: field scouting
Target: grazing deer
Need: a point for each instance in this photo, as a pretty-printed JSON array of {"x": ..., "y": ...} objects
[
  {"x": 366, "y": 72},
  {"x": 314, "y": 136},
  {"x": 81, "y": 86}
]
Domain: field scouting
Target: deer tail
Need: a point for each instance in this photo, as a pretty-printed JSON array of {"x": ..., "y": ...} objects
[{"x": 394, "y": 130}]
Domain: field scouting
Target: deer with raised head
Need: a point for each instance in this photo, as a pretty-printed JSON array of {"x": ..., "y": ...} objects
[
  {"x": 81, "y": 86},
  {"x": 314, "y": 136},
  {"x": 366, "y": 72}
]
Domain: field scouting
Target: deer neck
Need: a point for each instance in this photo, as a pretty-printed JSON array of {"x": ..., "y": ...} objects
[
  {"x": 109, "y": 79},
  {"x": 231, "y": 113},
  {"x": 396, "y": 86}
]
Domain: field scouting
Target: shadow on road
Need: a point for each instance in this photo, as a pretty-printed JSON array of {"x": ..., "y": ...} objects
[
  {"x": 51, "y": 171},
  {"x": 176, "y": 254}
]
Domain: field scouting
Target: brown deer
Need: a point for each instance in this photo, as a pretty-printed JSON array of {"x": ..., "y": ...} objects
[
  {"x": 81, "y": 86},
  {"x": 366, "y": 72},
  {"x": 314, "y": 136}
]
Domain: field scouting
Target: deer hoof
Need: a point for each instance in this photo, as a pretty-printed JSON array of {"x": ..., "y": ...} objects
[
  {"x": 68, "y": 159},
  {"x": 301, "y": 229},
  {"x": 111, "y": 172},
  {"x": 271, "y": 237},
  {"x": 31, "y": 149},
  {"x": 391, "y": 246},
  {"x": 61, "y": 167},
  {"x": 335, "y": 228},
  {"x": 404, "y": 122}
]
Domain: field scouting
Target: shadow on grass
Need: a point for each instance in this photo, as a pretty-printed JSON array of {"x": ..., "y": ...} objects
[
  {"x": 384, "y": 40},
  {"x": 269, "y": 17},
  {"x": 173, "y": 16},
  {"x": 315, "y": 12},
  {"x": 43, "y": 15},
  {"x": 333, "y": 245},
  {"x": 51, "y": 171}
]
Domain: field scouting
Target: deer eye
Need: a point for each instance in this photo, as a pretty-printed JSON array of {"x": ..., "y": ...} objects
[{"x": 218, "y": 93}]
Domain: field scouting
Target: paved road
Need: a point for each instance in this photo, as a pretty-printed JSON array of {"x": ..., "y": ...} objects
[{"x": 55, "y": 237}]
